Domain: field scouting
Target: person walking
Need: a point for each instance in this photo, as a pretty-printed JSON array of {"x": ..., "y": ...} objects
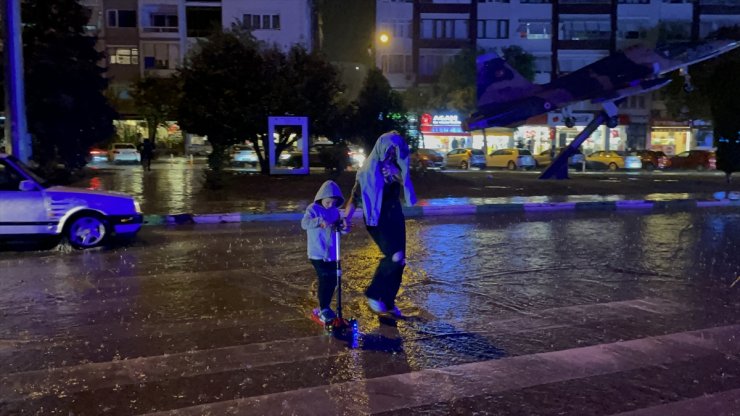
[
  {"x": 146, "y": 152},
  {"x": 381, "y": 182}
]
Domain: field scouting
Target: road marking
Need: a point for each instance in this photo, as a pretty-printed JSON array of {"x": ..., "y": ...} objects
[
  {"x": 726, "y": 403},
  {"x": 426, "y": 387},
  {"x": 36, "y": 383}
]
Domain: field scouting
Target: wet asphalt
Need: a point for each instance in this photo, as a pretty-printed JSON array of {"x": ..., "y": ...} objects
[{"x": 575, "y": 313}]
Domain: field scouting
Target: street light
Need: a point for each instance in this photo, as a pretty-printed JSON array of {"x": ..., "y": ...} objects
[{"x": 384, "y": 38}]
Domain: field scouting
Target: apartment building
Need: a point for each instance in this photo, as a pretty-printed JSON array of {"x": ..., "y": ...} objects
[
  {"x": 152, "y": 37},
  {"x": 563, "y": 36}
]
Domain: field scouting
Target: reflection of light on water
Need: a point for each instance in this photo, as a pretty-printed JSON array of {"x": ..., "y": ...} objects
[
  {"x": 95, "y": 183},
  {"x": 180, "y": 184},
  {"x": 448, "y": 246}
]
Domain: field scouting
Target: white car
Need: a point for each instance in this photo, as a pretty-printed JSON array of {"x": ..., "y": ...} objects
[
  {"x": 123, "y": 152},
  {"x": 29, "y": 207},
  {"x": 242, "y": 155}
]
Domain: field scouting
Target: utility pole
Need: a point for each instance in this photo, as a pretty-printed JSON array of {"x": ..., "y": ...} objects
[{"x": 16, "y": 131}]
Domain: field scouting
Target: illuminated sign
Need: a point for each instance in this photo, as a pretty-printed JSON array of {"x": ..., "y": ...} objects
[{"x": 446, "y": 120}]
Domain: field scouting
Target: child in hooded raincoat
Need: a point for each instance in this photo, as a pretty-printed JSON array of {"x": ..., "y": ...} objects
[
  {"x": 321, "y": 219},
  {"x": 384, "y": 184}
]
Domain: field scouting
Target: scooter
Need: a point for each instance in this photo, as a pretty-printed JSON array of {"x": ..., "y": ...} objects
[{"x": 340, "y": 327}]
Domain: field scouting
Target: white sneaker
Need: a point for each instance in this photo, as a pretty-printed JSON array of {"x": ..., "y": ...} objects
[
  {"x": 377, "y": 306},
  {"x": 327, "y": 315}
]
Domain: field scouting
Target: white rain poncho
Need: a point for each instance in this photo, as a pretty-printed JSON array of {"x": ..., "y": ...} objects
[{"x": 370, "y": 177}]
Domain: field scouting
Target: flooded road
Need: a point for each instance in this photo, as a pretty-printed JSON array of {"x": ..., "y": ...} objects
[
  {"x": 528, "y": 314},
  {"x": 177, "y": 186}
]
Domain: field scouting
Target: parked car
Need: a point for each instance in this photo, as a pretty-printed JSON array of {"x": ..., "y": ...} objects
[
  {"x": 545, "y": 159},
  {"x": 426, "y": 159},
  {"x": 653, "y": 159},
  {"x": 631, "y": 160},
  {"x": 204, "y": 149},
  {"x": 356, "y": 156},
  {"x": 695, "y": 159},
  {"x": 242, "y": 155},
  {"x": 97, "y": 155},
  {"x": 465, "y": 158},
  {"x": 29, "y": 207},
  {"x": 123, "y": 153},
  {"x": 511, "y": 159},
  {"x": 612, "y": 160},
  {"x": 325, "y": 155}
]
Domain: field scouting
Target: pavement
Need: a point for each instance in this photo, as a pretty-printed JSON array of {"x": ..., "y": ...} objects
[
  {"x": 174, "y": 192},
  {"x": 474, "y": 206}
]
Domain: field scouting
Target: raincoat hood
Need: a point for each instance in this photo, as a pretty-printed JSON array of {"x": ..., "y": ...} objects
[
  {"x": 329, "y": 189},
  {"x": 370, "y": 177}
]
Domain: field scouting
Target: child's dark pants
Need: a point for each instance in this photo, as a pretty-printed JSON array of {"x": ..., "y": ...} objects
[{"x": 326, "y": 271}]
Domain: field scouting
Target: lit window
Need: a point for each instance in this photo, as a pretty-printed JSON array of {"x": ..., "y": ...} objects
[{"x": 123, "y": 56}]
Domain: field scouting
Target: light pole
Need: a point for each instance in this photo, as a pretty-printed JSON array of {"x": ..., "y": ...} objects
[{"x": 16, "y": 130}]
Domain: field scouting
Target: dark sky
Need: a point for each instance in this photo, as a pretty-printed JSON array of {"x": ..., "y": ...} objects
[{"x": 348, "y": 26}]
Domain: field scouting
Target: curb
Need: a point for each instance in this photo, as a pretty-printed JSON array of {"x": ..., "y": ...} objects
[{"x": 440, "y": 210}]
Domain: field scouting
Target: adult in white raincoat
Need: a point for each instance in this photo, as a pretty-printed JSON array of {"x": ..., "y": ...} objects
[{"x": 382, "y": 182}]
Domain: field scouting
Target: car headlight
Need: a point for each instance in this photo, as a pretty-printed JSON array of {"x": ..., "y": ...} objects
[
  {"x": 284, "y": 156},
  {"x": 137, "y": 207}
]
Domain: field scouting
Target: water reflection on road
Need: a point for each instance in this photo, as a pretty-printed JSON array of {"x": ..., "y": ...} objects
[{"x": 198, "y": 314}]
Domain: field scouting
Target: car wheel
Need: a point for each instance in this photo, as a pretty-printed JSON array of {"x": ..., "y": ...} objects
[
  {"x": 650, "y": 166},
  {"x": 87, "y": 231},
  {"x": 464, "y": 165},
  {"x": 511, "y": 165},
  {"x": 613, "y": 166}
]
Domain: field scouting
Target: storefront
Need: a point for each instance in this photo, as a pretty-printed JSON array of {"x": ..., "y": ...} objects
[
  {"x": 541, "y": 132},
  {"x": 670, "y": 137},
  {"x": 443, "y": 132}
]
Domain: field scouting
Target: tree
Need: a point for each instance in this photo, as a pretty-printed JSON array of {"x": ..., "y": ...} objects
[
  {"x": 378, "y": 109},
  {"x": 456, "y": 88},
  {"x": 223, "y": 92},
  {"x": 520, "y": 60},
  {"x": 156, "y": 100},
  {"x": 723, "y": 92},
  {"x": 66, "y": 108},
  {"x": 301, "y": 84}
]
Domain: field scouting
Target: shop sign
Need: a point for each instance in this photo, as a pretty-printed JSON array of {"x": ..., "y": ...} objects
[
  {"x": 669, "y": 123},
  {"x": 446, "y": 120},
  {"x": 557, "y": 119}
]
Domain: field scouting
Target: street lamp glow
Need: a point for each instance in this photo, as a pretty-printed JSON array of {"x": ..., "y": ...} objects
[{"x": 384, "y": 38}]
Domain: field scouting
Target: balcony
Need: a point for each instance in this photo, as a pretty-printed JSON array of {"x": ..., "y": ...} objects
[
  {"x": 719, "y": 7},
  {"x": 160, "y": 20}
]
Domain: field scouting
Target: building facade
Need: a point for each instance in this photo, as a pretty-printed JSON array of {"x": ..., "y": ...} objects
[
  {"x": 563, "y": 36},
  {"x": 152, "y": 37}
]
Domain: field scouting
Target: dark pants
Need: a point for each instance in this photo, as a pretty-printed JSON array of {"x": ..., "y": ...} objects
[
  {"x": 390, "y": 236},
  {"x": 146, "y": 162},
  {"x": 326, "y": 271}
]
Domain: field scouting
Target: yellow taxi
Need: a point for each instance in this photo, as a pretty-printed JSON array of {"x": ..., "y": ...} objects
[
  {"x": 465, "y": 158},
  {"x": 609, "y": 159},
  {"x": 511, "y": 159}
]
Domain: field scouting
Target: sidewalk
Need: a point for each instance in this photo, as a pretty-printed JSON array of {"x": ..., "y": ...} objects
[{"x": 477, "y": 206}]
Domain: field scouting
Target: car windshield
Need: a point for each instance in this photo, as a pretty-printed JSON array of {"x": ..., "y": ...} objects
[
  {"x": 28, "y": 172},
  {"x": 477, "y": 152},
  {"x": 524, "y": 152}
]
